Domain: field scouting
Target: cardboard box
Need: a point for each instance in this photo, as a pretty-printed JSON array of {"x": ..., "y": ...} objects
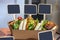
[{"x": 24, "y": 34}]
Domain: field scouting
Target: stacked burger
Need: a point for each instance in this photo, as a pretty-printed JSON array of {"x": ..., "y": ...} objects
[{"x": 47, "y": 25}]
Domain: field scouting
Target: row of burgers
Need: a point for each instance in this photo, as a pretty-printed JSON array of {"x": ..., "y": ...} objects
[{"x": 30, "y": 24}]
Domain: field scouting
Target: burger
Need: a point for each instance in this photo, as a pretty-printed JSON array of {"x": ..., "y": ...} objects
[
  {"x": 47, "y": 25},
  {"x": 31, "y": 23}
]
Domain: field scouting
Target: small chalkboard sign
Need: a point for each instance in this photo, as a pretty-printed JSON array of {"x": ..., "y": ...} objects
[
  {"x": 44, "y": 8},
  {"x": 30, "y": 9},
  {"x": 45, "y": 35},
  {"x": 7, "y": 38},
  {"x": 13, "y": 9}
]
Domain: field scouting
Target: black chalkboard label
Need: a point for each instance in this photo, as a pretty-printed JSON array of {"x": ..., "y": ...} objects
[
  {"x": 30, "y": 9},
  {"x": 45, "y": 35},
  {"x": 13, "y": 9},
  {"x": 44, "y": 9},
  {"x": 6, "y": 38}
]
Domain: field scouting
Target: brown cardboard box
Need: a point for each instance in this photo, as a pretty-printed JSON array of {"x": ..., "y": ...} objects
[{"x": 25, "y": 35}]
